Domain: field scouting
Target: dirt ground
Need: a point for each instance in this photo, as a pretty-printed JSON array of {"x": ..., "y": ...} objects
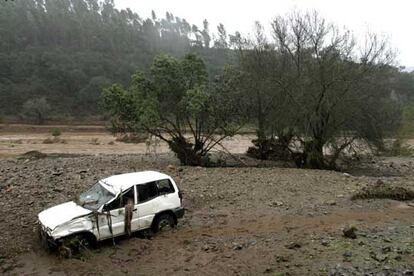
[
  {"x": 239, "y": 221},
  {"x": 18, "y": 139}
]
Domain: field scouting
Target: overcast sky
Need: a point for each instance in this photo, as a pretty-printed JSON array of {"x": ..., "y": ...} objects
[{"x": 391, "y": 18}]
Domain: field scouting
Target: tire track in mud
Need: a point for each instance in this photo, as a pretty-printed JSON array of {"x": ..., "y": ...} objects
[{"x": 275, "y": 223}]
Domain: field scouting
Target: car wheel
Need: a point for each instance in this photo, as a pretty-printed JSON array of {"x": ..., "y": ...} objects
[
  {"x": 78, "y": 244},
  {"x": 163, "y": 222}
]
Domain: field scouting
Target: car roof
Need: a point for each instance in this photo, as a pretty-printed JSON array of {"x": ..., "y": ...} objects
[{"x": 122, "y": 182}]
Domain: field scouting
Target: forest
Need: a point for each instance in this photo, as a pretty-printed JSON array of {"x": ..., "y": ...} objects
[{"x": 65, "y": 51}]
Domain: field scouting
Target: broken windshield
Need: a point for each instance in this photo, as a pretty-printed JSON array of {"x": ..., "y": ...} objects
[{"x": 95, "y": 197}]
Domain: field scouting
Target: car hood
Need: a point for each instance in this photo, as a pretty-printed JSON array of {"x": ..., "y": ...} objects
[{"x": 61, "y": 213}]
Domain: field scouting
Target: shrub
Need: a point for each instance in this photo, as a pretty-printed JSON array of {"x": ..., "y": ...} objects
[{"x": 56, "y": 132}]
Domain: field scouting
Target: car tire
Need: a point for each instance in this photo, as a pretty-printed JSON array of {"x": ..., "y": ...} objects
[
  {"x": 78, "y": 244},
  {"x": 163, "y": 222}
]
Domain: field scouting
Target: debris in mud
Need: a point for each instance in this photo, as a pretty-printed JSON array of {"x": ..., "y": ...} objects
[
  {"x": 33, "y": 154},
  {"x": 379, "y": 257},
  {"x": 276, "y": 204},
  {"x": 383, "y": 190},
  {"x": 293, "y": 245},
  {"x": 350, "y": 232},
  {"x": 241, "y": 214}
]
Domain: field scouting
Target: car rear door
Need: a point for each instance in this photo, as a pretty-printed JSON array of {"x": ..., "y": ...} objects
[{"x": 147, "y": 205}]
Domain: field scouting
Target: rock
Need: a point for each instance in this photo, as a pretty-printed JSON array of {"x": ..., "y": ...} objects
[
  {"x": 386, "y": 249},
  {"x": 276, "y": 204},
  {"x": 324, "y": 242},
  {"x": 268, "y": 270},
  {"x": 350, "y": 232},
  {"x": 237, "y": 246},
  {"x": 379, "y": 257},
  {"x": 171, "y": 167},
  {"x": 331, "y": 202},
  {"x": 347, "y": 254},
  {"x": 293, "y": 245},
  {"x": 57, "y": 173},
  {"x": 408, "y": 272},
  {"x": 379, "y": 182},
  {"x": 346, "y": 174},
  {"x": 57, "y": 189},
  {"x": 387, "y": 240},
  {"x": 282, "y": 259}
]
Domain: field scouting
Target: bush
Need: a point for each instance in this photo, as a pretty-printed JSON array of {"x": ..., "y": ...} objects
[{"x": 56, "y": 132}]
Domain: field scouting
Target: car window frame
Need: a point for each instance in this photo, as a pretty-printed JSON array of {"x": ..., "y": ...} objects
[
  {"x": 171, "y": 187},
  {"x": 117, "y": 198},
  {"x": 149, "y": 199}
]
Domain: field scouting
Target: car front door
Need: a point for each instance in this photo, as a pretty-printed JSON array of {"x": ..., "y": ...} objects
[{"x": 113, "y": 216}]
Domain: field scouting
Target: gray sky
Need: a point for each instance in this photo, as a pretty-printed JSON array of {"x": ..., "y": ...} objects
[{"x": 386, "y": 17}]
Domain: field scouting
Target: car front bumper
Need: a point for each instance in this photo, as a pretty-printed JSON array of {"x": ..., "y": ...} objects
[{"x": 46, "y": 240}]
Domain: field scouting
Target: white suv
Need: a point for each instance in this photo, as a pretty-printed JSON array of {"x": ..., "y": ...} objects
[{"x": 141, "y": 200}]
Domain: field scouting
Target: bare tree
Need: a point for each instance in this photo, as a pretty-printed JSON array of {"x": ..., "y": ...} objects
[{"x": 329, "y": 82}]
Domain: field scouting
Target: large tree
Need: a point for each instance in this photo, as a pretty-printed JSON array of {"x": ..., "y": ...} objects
[
  {"x": 312, "y": 93},
  {"x": 176, "y": 103},
  {"x": 341, "y": 94}
]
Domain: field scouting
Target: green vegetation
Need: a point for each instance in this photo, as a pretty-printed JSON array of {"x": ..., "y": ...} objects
[
  {"x": 67, "y": 51},
  {"x": 407, "y": 124},
  {"x": 56, "y": 132},
  {"x": 173, "y": 99}
]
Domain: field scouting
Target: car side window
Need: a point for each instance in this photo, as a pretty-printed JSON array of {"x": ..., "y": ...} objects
[
  {"x": 147, "y": 191},
  {"x": 165, "y": 187},
  {"x": 121, "y": 200}
]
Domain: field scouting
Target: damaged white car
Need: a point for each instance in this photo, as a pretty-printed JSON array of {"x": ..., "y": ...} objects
[{"x": 114, "y": 206}]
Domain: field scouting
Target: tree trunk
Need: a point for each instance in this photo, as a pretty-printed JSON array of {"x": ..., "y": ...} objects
[
  {"x": 313, "y": 154},
  {"x": 187, "y": 153}
]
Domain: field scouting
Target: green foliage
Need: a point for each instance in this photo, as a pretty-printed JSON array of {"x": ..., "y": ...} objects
[
  {"x": 36, "y": 110},
  {"x": 173, "y": 99},
  {"x": 407, "y": 123},
  {"x": 56, "y": 132},
  {"x": 68, "y": 51}
]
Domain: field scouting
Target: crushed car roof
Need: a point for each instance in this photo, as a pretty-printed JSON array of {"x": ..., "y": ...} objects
[{"x": 121, "y": 182}]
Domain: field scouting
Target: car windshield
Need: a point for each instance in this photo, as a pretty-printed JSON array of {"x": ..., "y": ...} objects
[{"x": 95, "y": 197}]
